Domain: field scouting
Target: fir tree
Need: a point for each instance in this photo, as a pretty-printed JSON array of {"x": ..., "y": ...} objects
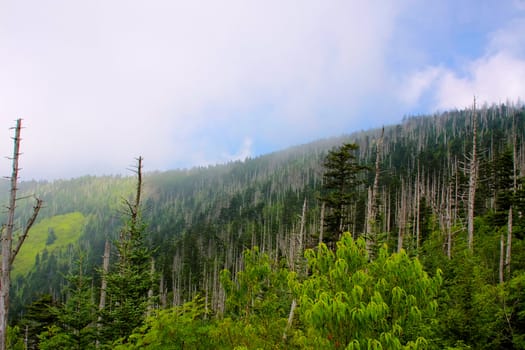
[
  {"x": 340, "y": 187},
  {"x": 76, "y": 318},
  {"x": 39, "y": 317},
  {"x": 129, "y": 280}
]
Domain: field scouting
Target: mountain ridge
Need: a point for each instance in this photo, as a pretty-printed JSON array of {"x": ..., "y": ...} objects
[{"x": 201, "y": 219}]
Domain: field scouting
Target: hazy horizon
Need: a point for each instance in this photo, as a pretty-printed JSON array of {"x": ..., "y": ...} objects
[{"x": 189, "y": 84}]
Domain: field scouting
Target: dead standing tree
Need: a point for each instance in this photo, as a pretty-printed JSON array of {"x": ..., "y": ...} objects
[
  {"x": 8, "y": 252},
  {"x": 473, "y": 178},
  {"x": 371, "y": 222}
]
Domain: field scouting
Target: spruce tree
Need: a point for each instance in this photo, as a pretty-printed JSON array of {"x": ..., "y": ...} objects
[
  {"x": 340, "y": 187},
  {"x": 39, "y": 317},
  {"x": 76, "y": 318},
  {"x": 129, "y": 280}
]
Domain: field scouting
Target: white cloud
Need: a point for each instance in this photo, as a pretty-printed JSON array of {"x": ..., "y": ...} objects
[
  {"x": 180, "y": 82},
  {"x": 519, "y": 4},
  {"x": 497, "y": 76},
  {"x": 102, "y": 82},
  {"x": 417, "y": 83},
  {"x": 492, "y": 79},
  {"x": 243, "y": 153},
  {"x": 509, "y": 39}
]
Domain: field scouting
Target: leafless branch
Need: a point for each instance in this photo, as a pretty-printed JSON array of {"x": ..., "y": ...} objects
[{"x": 28, "y": 226}]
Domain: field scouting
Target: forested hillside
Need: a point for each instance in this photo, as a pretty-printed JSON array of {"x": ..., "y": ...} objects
[{"x": 434, "y": 257}]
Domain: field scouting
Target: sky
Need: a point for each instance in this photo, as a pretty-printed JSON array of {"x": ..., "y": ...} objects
[{"x": 196, "y": 83}]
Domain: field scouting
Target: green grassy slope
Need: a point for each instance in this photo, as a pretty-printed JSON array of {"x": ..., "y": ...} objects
[{"x": 67, "y": 229}]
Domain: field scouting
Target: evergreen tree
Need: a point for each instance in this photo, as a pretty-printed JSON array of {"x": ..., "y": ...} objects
[
  {"x": 180, "y": 327},
  {"x": 51, "y": 236},
  {"x": 38, "y": 318},
  {"x": 129, "y": 281},
  {"x": 76, "y": 318},
  {"x": 340, "y": 187}
]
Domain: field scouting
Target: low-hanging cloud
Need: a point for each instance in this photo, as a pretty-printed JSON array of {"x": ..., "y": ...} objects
[
  {"x": 101, "y": 82},
  {"x": 187, "y": 83}
]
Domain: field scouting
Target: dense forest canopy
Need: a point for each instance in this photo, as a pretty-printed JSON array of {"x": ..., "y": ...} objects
[{"x": 225, "y": 246}]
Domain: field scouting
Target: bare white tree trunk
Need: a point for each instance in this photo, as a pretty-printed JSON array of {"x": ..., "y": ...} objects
[
  {"x": 417, "y": 193},
  {"x": 508, "y": 252},
  {"x": 105, "y": 270},
  {"x": 501, "y": 257},
  {"x": 321, "y": 228},
  {"x": 163, "y": 293},
  {"x": 509, "y": 243},
  {"x": 371, "y": 226},
  {"x": 448, "y": 223},
  {"x": 473, "y": 177},
  {"x": 151, "y": 305},
  {"x": 296, "y": 263},
  {"x": 368, "y": 218},
  {"x": 300, "y": 243},
  {"x": 402, "y": 215},
  {"x": 8, "y": 252},
  {"x": 290, "y": 318},
  {"x": 104, "y": 282}
]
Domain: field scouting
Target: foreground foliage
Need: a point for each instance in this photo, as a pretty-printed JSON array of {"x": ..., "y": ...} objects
[
  {"x": 349, "y": 302},
  {"x": 344, "y": 302}
]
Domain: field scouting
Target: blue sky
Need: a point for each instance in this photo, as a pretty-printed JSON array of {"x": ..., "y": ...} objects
[{"x": 189, "y": 83}]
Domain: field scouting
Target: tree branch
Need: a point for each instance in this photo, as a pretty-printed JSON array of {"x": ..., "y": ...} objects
[
  {"x": 139, "y": 190},
  {"x": 29, "y": 223}
]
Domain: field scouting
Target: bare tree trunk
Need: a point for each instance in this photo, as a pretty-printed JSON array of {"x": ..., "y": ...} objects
[
  {"x": 206, "y": 292},
  {"x": 418, "y": 209},
  {"x": 473, "y": 177},
  {"x": 8, "y": 253},
  {"x": 453, "y": 207},
  {"x": 136, "y": 206},
  {"x": 514, "y": 154},
  {"x": 105, "y": 270},
  {"x": 402, "y": 217},
  {"x": 162, "y": 293},
  {"x": 372, "y": 202},
  {"x": 290, "y": 318},
  {"x": 501, "y": 257},
  {"x": 26, "y": 337},
  {"x": 292, "y": 246},
  {"x": 321, "y": 228},
  {"x": 176, "y": 279},
  {"x": 151, "y": 305},
  {"x": 509, "y": 243},
  {"x": 299, "y": 253},
  {"x": 449, "y": 222},
  {"x": 508, "y": 252},
  {"x": 388, "y": 213},
  {"x": 368, "y": 220},
  {"x": 300, "y": 243},
  {"x": 104, "y": 282}
]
